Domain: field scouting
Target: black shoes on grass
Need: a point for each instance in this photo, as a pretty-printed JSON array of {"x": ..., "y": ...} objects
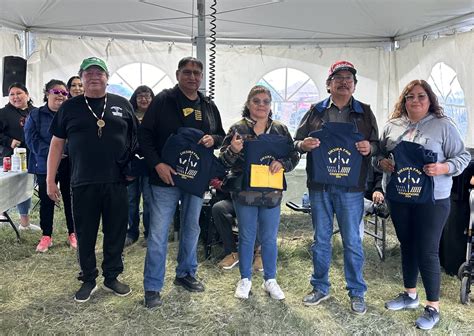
[
  {"x": 189, "y": 283},
  {"x": 89, "y": 287}
]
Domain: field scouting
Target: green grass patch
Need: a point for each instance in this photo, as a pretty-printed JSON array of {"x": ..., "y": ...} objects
[{"x": 36, "y": 293}]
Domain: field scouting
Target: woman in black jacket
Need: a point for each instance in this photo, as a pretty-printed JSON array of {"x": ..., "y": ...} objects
[{"x": 12, "y": 120}]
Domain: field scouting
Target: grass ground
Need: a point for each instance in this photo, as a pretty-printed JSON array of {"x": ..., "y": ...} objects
[{"x": 36, "y": 292}]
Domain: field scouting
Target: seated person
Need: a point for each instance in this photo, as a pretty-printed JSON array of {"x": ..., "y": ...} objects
[
  {"x": 224, "y": 216},
  {"x": 373, "y": 197}
]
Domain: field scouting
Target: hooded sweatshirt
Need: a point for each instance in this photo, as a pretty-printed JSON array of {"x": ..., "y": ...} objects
[{"x": 439, "y": 135}]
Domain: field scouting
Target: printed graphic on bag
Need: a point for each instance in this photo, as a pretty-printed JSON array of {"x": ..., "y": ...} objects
[
  {"x": 339, "y": 164},
  {"x": 188, "y": 164},
  {"x": 409, "y": 182}
]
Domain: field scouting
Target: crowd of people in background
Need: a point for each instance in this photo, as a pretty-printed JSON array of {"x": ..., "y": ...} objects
[{"x": 101, "y": 154}]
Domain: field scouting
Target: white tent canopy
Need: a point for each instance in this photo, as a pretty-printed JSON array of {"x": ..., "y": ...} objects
[
  {"x": 390, "y": 42},
  {"x": 242, "y": 20}
]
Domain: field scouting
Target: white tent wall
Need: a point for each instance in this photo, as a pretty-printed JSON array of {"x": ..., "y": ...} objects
[
  {"x": 60, "y": 57},
  {"x": 416, "y": 60},
  {"x": 240, "y": 67}
]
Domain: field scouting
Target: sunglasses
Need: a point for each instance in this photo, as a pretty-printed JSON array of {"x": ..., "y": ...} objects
[
  {"x": 56, "y": 92},
  {"x": 257, "y": 101}
]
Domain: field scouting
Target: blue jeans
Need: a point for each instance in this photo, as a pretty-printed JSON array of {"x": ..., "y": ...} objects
[
  {"x": 268, "y": 220},
  {"x": 24, "y": 207},
  {"x": 163, "y": 207},
  {"x": 136, "y": 189},
  {"x": 348, "y": 207}
]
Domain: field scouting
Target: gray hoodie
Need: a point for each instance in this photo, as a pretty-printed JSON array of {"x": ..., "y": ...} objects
[{"x": 437, "y": 134}]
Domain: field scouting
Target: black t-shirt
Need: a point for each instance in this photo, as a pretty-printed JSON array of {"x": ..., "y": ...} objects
[
  {"x": 94, "y": 159},
  {"x": 191, "y": 110}
]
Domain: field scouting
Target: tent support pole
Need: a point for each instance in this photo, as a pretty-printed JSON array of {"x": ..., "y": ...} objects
[{"x": 200, "y": 41}]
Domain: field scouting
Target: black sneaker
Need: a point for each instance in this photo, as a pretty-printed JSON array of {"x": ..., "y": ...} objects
[
  {"x": 117, "y": 287},
  {"x": 358, "y": 305},
  {"x": 84, "y": 293},
  {"x": 129, "y": 241},
  {"x": 189, "y": 283},
  {"x": 152, "y": 299},
  {"x": 314, "y": 298}
]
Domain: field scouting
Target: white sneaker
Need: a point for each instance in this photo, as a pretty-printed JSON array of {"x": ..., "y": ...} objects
[
  {"x": 30, "y": 226},
  {"x": 243, "y": 288},
  {"x": 273, "y": 289}
]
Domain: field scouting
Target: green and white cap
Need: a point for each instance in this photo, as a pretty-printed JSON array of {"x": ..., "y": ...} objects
[{"x": 91, "y": 61}]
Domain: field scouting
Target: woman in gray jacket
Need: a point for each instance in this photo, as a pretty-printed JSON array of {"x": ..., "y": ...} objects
[{"x": 419, "y": 218}]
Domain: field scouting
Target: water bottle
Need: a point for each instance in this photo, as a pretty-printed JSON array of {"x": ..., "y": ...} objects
[
  {"x": 16, "y": 163},
  {"x": 22, "y": 153},
  {"x": 305, "y": 200}
]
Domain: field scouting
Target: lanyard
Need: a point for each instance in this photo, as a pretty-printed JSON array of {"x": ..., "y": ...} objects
[{"x": 100, "y": 121}]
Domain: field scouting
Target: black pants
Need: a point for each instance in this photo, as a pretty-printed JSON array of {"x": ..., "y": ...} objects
[
  {"x": 223, "y": 214},
  {"x": 419, "y": 228},
  {"x": 91, "y": 203},
  {"x": 47, "y": 205},
  {"x": 64, "y": 178}
]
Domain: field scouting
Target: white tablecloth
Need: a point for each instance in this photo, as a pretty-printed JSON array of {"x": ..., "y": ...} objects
[{"x": 14, "y": 188}]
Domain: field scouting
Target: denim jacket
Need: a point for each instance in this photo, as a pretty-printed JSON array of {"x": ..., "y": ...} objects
[{"x": 38, "y": 137}]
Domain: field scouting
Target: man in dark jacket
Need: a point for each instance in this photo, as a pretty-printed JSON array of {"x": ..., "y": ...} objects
[
  {"x": 345, "y": 201},
  {"x": 181, "y": 106}
]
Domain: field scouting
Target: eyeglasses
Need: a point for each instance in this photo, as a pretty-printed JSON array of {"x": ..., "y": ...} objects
[
  {"x": 144, "y": 97},
  {"x": 420, "y": 97},
  {"x": 258, "y": 101},
  {"x": 339, "y": 78},
  {"x": 188, "y": 73},
  {"x": 56, "y": 92}
]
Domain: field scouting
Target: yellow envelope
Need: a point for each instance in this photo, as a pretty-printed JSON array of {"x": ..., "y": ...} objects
[{"x": 261, "y": 177}]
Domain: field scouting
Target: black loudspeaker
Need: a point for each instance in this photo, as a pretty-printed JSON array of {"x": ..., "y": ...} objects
[{"x": 14, "y": 70}]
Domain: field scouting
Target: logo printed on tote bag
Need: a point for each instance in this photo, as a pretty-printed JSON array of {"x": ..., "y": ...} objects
[
  {"x": 408, "y": 182},
  {"x": 339, "y": 162},
  {"x": 187, "y": 164}
]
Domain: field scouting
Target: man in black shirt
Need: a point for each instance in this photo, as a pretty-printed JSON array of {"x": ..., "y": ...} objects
[
  {"x": 101, "y": 132},
  {"x": 181, "y": 106}
]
